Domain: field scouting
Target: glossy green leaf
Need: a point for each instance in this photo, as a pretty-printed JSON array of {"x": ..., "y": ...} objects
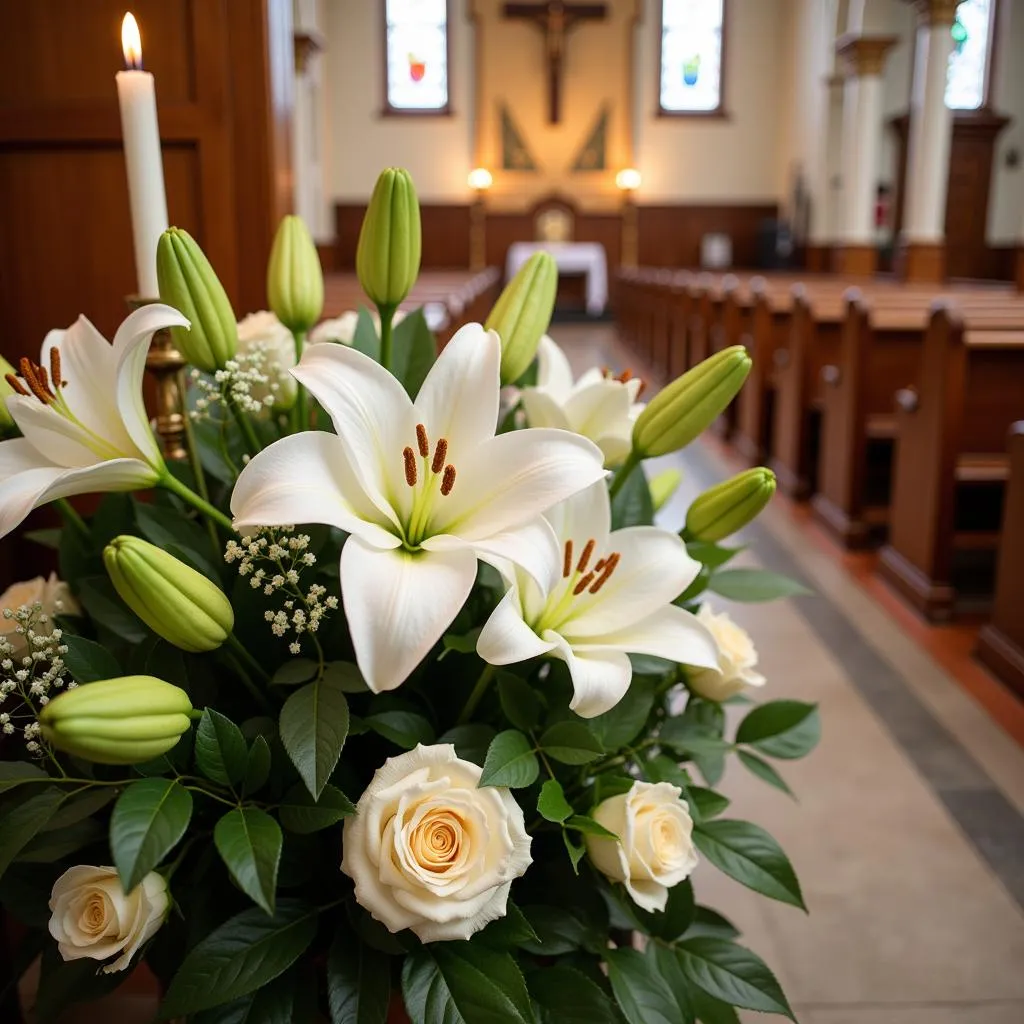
[
  {"x": 510, "y": 761},
  {"x": 732, "y": 974},
  {"x": 754, "y": 585},
  {"x": 763, "y": 770},
  {"x": 89, "y": 662},
  {"x": 257, "y": 767},
  {"x": 314, "y": 725},
  {"x": 643, "y": 996},
  {"x": 148, "y": 821},
  {"x": 301, "y": 812},
  {"x": 221, "y": 751},
  {"x": 295, "y": 671},
  {"x": 15, "y": 773},
  {"x": 570, "y": 997},
  {"x": 551, "y": 803},
  {"x": 632, "y": 506},
  {"x": 620, "y": 726},
  {"x": 414, "y": 351},
  {"x": 471, "y": 741},
  {"x": 519, "y": 702},
  {"x": 571, "y": 743},
  {"x": 403, "y": 728},
  {"x": 786, "y": 729},
  {"x": 23, "y": 821},
  {"x": 358, "y": 980},
  {"x": 249, "y": 842}
]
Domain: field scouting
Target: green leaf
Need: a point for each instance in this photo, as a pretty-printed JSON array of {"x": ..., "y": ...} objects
[
  {"x": 643, "y": 997},
  {"x": 358, "y": 980},
  {"x": 22, "y": 822},
  {"x": 713, "y": 1011},
  {"x": 257, "y": 767},
  {"x": 581, "y": 823},
  {"x": 510, "y": 761},
  {"x": 511, "y": 930},
  {"x": 347, "y": 676},
  {"x": 50, "y": 845},
  {"x": 575, "y": 850},
  {"x": 786, "y": 729},
  {"x": 664, "y": 963},
  {"x": 414, "y": 351},
  {"x": 461, "y": 643},
  {"x": 79, "y": 806},
  {"x": 571, "y": 743},
  {"x": 519, "y": 702},
  {"x": 711, "y": 555},
  {"x": 464, "y": 981},
  {"x": 14, "y": 773},
  {"x": 242, "y": 955},
  {"x": 551, "y": 804},
  {"x": 632, "y": 506},
  {"x": 47, "y": 538},
  {"x": 183, "y": 537},
  {"x": 148, "y": 821},
  {"x": 301, "y": 813},
  {"x": 609, "y": 784},
  {"x": 671, "y": 922},
  {"x": 747, "y": 853},
  {"x": 280, "y": 1002},
  {"x": 295, "y": 671},
  {"x": 471, "y": 741},
  {"x": 249, "y": 842},
  {"x": 365, "y": 339},
  {"x": 706, "y": 803},
  {"x": 221, "y": 751},
  {"x": 89, "y": 662},
  {"x": 732, "y": 974},
  {"x": 698, "y": 744},
  {"x": 620, "y": 726},
  {"x": 708, "y": 922},
  {"x": 754, "y": 585},
  {"x": 314, "y": 724},
  {"x": 570, "y": 997},
  {"x": 559, "y": 930},
  {"x": 764, "y": 771},
  {"x": 99, "y": 598},
  {"x": 403, "y": 728}
]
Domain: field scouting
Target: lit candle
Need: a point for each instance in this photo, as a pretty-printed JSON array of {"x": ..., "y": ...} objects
[{"x": 136, "y": 93}]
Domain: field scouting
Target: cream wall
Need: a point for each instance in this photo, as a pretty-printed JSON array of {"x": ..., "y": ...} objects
[
  {"x": 437, "y": 151},
  {"x": 744, "y": 157}
]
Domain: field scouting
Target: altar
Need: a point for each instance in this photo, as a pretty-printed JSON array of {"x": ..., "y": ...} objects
[{"x": 587, "y": 258}]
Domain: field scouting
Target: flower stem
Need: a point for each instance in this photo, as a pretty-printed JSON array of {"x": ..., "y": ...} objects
[
  {"x": 478, "y": 691},
  {"x": 300, "y": 411},
  {"x": 200, "y": 476},
  {"x": 387, "y": 315},
  {"x": 175, "y": 486},
  {"x": 632, "y": 461},
  {"x": 70, "y": 516},
  {"x": 254, "y": 691},
  {"x": 252, "y": 442},
  {"x": 236, "y": 645}
]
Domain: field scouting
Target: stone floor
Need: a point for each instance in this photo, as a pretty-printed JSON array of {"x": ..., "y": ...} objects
[{"x": 907, "y": 833}]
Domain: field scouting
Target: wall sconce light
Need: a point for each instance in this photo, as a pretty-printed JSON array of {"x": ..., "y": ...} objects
[
  {"x": 628, "y": 179},
  {"x": 480, "y": 180}
]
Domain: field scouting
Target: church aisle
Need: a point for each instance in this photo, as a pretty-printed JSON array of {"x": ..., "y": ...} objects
[{"x": 908, "y": 836}]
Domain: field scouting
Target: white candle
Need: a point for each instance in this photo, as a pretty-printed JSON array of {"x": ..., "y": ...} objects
[{"x": 136, "y": 93}]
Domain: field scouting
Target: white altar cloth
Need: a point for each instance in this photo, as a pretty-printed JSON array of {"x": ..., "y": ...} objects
[{"x": 587, "y": 258}]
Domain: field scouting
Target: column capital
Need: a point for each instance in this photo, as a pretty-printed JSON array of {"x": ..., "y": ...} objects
[
  {"x": 936, "y": 12},
  {"x": 864, "y": 55}
]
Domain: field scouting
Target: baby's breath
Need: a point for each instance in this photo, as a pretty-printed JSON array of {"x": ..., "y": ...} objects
[{"x": 251, "y": 381}]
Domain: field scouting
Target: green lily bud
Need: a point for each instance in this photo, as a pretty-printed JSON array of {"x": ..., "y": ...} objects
[
  {"x": 6, "y": 421},
  {"x": 727, "y": 507},
  {"x": 295, "y": 279},
  {"x": 189, "y": 284},
  {"x": 117, "y": 721},
  {"x": 663, "y": 486},
  {"x": 388, "y": 254},
  {"x": 679, "y": 413},
  {"x": 174, "y": 600},
  {"x": 522, "y": 314}
]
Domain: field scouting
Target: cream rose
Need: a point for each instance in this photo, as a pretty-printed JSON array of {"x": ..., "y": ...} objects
[
  {"x": 92, "y": 917},
  {"x": 737, "y": 657},
  {"x": 342, "y": 329},
  {"x": 265, "y": 330},
  {"x": 654, "y": 849},
  {"x": 52, "y": 594},
  {"x": 431, "y": 851}
]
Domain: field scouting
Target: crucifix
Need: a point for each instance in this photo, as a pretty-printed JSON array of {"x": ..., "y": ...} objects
[{"x": 554, "y": 19}]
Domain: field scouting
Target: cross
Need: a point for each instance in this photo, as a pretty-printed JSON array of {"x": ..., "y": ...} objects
[{"x": 554, "y": 19}]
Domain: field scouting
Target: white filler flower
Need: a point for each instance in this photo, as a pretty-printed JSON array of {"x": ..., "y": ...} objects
[
  {"x": 82, "y": 416},
  {"x": 612, "y": 592},
  {"x": 598, "y": 405},
  {"x": 430, "y": 850},
  {"x": 423, "y": 488}
]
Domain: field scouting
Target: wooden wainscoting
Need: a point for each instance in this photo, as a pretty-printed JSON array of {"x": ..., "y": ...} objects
[{"x": 223, "y": 79}]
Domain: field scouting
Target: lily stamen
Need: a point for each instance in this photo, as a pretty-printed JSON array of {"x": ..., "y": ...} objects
[
  {"x": 448, "y": 481},
  {"x": 440, "y": 454},
  {"x": 410, "y": 466},
  {"x": 28, "y": 374},
  {"x": 583, "y": 583},
  {"x": 609, "y": 568},
  {"x": 16, "y": 384},
  {"x": 55, "y": 368},
  {"x": 421, "y": 440},
  {"x": 567, "y": 560},
  {"x": 588, "y": 550}
]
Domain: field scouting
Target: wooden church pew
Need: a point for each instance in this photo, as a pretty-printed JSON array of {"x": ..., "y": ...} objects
[
  {"x": 1001, "y": 641},
  {"x": 952, "y": 429}
]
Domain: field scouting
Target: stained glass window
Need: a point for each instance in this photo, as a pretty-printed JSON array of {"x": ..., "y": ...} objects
[
  {"x": 691, "y": 56},
  {"x": 417, "y": 55},
  {"x": 968, "y": 63}
]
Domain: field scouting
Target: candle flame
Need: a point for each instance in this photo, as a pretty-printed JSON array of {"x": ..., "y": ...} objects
[{"x": 131, "y": 42}]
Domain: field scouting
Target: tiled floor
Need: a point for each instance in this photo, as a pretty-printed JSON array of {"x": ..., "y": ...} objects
[{"x": 908, "y": 834}]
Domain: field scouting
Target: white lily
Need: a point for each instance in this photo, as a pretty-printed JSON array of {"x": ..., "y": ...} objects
[
  {"x": 612, "y": 594},
  {"x": 342, "y": 328},
  {"x": 598, "y": 406},
  {"x": 388, "y": 477},
  {"x": 83, "y": 420}
]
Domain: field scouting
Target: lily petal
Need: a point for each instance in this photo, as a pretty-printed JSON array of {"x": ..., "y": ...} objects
[
  {"x": 58, "y": 440},
  {"x": 372, "y": 414},
  {"x": 398, "y": 604},
  {"x": 600, "y": 678},
  {"x": 512, "y": 478},
  {"x": 582, "y": 517},
  {"x": 672, "y": 633},
  {"x": 542, "y": 409},
  {"x": 593, "y": 409},
  {"x": 459, "y": 398},
  {"x": 131, "y": 346},
  {"x": 554, "y": 373},
  {"x": 506, "y": 639},
  {"x": 307, "y": 478},
  {"x": 654, "y": 569}
]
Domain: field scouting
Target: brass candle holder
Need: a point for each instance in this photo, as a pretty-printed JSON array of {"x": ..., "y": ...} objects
[{"x": 166, "y": 364}]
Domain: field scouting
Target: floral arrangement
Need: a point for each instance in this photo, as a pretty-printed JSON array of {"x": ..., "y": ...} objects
[{"x": 392, "y": 694}]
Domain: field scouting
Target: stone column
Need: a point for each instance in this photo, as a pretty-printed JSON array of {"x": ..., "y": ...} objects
[
  {"x": 923, "y": 240},
  {"x": 864, "y": 60}
]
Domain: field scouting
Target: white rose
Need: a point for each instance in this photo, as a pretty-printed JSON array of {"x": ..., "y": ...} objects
[
  {"x": 342, "y": 329},
  {"x": 92, "y": 917},
  {"x": 430, "y": 850},
  {"x": 265, "y": 330},
  {"x": 737, "y": 657},
  {"x": 654, "y": 849},
  {"x": 52, "y": 594}
]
